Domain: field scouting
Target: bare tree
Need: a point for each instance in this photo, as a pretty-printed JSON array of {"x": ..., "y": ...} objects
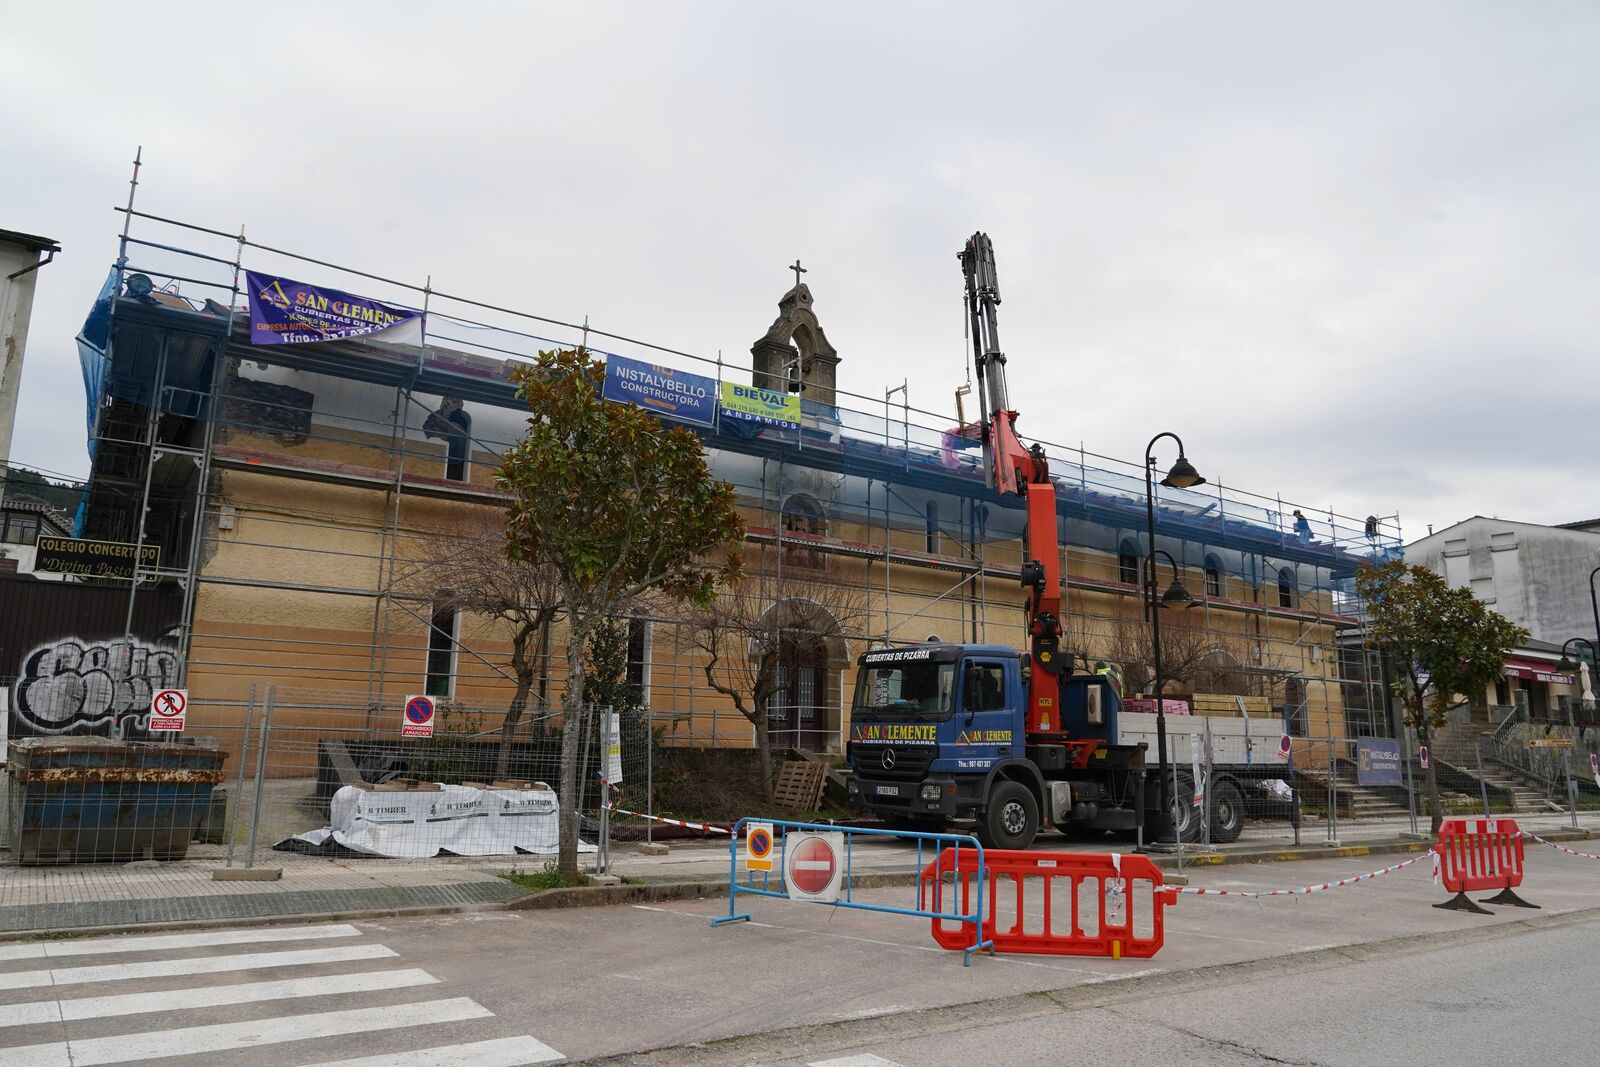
[
  {"x": 1190, "y": 652},
  {"x": 465, "y": 567},
  {"x": 764, "y": 626}
]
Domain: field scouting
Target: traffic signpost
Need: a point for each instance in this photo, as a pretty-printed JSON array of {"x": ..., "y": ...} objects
[
  {"x": 813, "y": 865},
  {"x": 168, "y": 709},
  {"x": 758, "y": 847},
  {"x": 417, "y": 721}
]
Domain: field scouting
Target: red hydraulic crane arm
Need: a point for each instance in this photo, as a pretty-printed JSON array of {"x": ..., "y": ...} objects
[{"x": 1015, "y": 469}]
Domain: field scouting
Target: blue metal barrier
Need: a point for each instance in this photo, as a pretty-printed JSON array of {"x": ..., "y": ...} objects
[{"x": 939, "y": 842}]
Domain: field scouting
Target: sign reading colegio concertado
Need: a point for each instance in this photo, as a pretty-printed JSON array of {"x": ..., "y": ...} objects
[{"x": 91, "y": 559}]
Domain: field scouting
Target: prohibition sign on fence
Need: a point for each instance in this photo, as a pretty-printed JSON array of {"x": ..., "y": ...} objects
[
  {"x": 167, "y": 709},
  {"x": 418, "y": 718},
  {"x": 758, "y": 847},
  {"x": 1286, "y": 746},
  {"x": 811, "y": 865}
]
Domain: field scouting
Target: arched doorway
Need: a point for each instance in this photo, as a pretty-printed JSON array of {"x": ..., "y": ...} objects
[
  {"x": 804, "y": 711},
  {"x": 797, "y": 716}
]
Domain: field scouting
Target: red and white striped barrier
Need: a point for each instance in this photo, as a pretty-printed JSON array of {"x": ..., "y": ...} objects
[
  {"x": 672, "y": 822},
  {"x": 1302, "y": 890},
  {"x": 1559, "y": 848}
]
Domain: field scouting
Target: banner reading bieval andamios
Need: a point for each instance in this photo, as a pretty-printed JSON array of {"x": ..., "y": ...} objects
[{"x": 287, "y": 312}]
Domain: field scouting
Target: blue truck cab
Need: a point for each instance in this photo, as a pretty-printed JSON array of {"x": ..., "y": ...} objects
[{"x": 937, "y": 737}]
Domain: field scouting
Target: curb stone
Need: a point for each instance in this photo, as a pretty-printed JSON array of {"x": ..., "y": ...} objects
[{"x": 666, "y": 891}]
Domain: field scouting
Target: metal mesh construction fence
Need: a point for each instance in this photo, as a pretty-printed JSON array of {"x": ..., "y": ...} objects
[{"x": 319, "y": 772}]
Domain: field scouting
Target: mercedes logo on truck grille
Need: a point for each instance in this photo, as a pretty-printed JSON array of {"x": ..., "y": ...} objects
[{"x": 888, "y": 759}]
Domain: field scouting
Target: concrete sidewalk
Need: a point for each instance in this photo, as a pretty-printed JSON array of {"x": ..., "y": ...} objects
[{"x": 135, "y": 895}]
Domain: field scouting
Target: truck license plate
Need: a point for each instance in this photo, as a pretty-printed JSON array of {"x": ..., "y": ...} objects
[{"x": 888, "y": 790}]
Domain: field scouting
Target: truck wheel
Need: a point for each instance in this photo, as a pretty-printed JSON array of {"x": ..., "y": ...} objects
[
  {"x": 1182, "y": 823},
  {"x": 1011, "y": 818},
  {"x": 1227, "y": 813}
]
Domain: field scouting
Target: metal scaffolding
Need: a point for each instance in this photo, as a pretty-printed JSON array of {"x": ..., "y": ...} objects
[{"x": 886, "y": 497}]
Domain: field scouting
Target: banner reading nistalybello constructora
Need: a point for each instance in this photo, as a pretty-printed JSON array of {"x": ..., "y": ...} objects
[
  {"x": 764, "y": 406},
  {"x": 670, "y": 392},
  {"x": 287, "y": 312}
]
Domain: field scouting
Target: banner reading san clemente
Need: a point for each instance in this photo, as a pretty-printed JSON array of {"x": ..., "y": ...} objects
[{"x": 286, "y": 312}]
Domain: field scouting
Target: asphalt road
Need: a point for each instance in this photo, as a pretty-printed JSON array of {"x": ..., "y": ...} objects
[
  {"x": 1522, "y": 1000},
  {"x": 1365, "y": 973}
]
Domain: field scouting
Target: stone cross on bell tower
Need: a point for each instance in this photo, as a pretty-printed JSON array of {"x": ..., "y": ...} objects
[{"x": 794, "y": 354}]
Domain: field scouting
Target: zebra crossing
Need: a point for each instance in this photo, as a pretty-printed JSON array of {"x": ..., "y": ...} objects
[{"x": 90, "y": 1015}]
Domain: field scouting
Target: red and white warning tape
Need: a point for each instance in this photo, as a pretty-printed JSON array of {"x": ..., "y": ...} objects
[
  {"x": 673, "y": 822},
  {"x": 1175, "y": 889},
  {"x": 1558, "y": 848}
]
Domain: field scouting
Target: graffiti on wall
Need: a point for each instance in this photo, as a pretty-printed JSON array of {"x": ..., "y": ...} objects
[{"x": 70, "y": 686}]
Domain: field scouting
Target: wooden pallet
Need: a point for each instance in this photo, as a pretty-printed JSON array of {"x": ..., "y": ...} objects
[
  {"x": 1223, "y": 705},
  {"x": 800, "y": 783}
]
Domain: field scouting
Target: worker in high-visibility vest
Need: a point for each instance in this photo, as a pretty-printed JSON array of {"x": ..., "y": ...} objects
[{"x": 1112, "y": 674}]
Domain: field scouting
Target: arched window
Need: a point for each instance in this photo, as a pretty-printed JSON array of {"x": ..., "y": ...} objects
[
  {"x": 1128, "y": 563},
  {"x": 1286, "y": 588},
  {"x": 803, "y": 515},
  {"x": 1216, "y": 584}
]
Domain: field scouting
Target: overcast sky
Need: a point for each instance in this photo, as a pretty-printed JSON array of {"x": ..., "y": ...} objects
[{"x": 1350, "y": 252}]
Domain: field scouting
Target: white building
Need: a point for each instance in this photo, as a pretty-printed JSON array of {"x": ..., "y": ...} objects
[
  {"x": 1538, "y": 577},
  {"x": 20, "y": 260}
]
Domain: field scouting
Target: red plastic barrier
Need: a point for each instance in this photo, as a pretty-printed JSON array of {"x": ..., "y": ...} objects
[
  {"x": 1051, "y": 903},
  {"x": 1477, "y": 854}
]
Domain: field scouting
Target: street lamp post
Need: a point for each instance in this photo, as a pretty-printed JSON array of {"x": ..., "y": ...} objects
[
  {"x": 1567, "y": 663},
  {"x": 1181, "y": 476},
  {"x": 1594, "y": 602}
]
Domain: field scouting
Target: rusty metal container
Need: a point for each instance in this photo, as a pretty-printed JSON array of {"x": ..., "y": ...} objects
[{"x": 97, "y": 800}]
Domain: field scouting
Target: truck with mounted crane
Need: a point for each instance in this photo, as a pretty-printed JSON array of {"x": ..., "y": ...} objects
[{"x": 1007, "y": 741}]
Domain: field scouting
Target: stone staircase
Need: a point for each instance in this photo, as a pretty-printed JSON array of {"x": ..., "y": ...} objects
[
  {"x": 1355, "y": 801},
  {"x": 1459, "y": 746},
  {"x": 1527, "y": 796}
]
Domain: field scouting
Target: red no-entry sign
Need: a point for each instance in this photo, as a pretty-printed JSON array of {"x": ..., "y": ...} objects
[{"x": 813, "y": 865}]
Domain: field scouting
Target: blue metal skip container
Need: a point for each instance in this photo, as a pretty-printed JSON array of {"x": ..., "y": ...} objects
[{"x": 98, "y": 800}]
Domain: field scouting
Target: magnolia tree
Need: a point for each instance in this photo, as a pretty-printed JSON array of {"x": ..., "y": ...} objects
[
  {"x": 1445, "y": 644},
  {"x": 617, "y": 505},
  {"x": 765, "y": 627}
]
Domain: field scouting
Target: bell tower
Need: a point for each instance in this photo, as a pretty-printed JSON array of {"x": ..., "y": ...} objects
[{"x": 794, "y": 354}]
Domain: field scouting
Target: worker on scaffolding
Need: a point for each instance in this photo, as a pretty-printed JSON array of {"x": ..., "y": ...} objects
[
  {"x": 1112, "y": 674},
  {"x": 1302, "y": 526}
]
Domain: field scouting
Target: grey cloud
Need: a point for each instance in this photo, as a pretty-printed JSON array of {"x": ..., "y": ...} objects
[{"x": 1349, "y": 252}]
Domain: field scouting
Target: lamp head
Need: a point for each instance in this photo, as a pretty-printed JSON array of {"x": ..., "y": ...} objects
[
  {"x": 1176, "y": 596},
  {"x": 1566, "y": 664},
  {"x": 1182, "y": 475}
]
